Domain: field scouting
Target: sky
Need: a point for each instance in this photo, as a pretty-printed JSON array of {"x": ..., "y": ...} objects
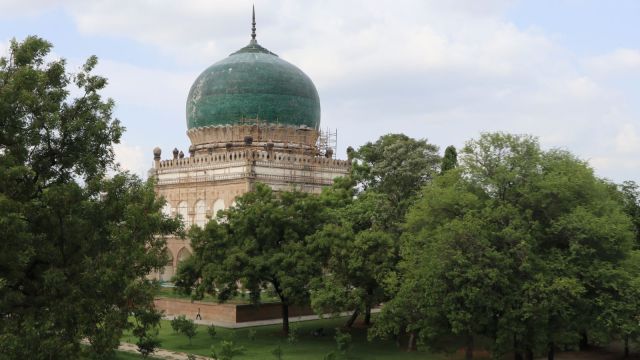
[{"x": 566, "y": 71}]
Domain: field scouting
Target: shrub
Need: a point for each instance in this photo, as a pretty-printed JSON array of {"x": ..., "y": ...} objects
[
  {"x": 277, "y": 352},
  {"x": 211, "y": 330},
  {"x": 182, "y": 325},
  {"x": 227, "y": 351}
]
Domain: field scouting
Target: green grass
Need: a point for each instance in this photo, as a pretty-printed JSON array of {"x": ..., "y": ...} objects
[
  {"x": 122, "y": 355},
  {"x": 307, "y": 346}
]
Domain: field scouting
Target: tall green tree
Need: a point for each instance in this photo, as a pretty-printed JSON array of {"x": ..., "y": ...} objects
[
  {"x": 76, "y": 244},
  {"x": 261, "y": 243},
  {"x": 450, "y": 159},
  {"x": 397, "y": 166},
  {"x": 360, "y": 258},
  {"x": 363, "y": 240},
  {"x": 523, "y": 246},
  {"x": 630, "y": 192}
]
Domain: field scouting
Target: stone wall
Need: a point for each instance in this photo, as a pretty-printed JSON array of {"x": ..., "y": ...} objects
[
  {"x": 223, "y": 313},
  {"x": 246, "y": 313},
  {"x": 227, "y": 314}
]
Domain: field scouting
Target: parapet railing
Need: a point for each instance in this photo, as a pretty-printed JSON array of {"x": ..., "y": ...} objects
[{"x": 252, "y": 155}]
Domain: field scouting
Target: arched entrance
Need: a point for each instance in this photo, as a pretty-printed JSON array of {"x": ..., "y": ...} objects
[
  {"x": 167, "y": 272},
  {"x": 183, "y": 255}
]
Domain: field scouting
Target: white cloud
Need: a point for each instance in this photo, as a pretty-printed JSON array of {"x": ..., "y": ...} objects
[
  {"x": 616, "y": 163},
  {"x": 628, "y": 140},
  {"x": 130, "y": 84},
  {"x": 618, "y": 61},
  {"x": 445, "y": 70},
  {"x": 14, "y": 8},
  {"x": 4, "y": 48},
  {"x": 131, "y": 158}
]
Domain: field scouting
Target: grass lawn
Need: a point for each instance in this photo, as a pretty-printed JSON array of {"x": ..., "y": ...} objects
[
  {"x": 122, "y": 355},
  {"x": 307, "y": 346}
]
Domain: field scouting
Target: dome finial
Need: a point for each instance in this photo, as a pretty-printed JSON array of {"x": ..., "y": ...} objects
[{"x": 253, "y": 23}]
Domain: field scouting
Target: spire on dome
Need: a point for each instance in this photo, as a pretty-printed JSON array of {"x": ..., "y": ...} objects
[{"x": 253, "y": 27}]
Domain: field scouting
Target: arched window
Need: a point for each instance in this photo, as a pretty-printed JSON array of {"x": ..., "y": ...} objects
[
  {"x": 217, "y": 206},
  {"x": 166, "y": 209},
  {"x": 166, "y": 273},
  {"x": 201, "y": 213},
  {"x": 183, "y": 254},
  {"x": 183, "y": 211}
]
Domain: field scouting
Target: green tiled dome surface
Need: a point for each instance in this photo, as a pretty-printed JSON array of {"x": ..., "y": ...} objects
[{"x": 253, "y": 83}]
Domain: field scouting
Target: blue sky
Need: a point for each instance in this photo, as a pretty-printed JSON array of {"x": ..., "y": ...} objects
[{"x": 567, "y": 71}]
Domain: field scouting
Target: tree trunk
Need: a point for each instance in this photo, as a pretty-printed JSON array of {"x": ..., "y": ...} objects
[
  {"x": 468, "y": 353},
  {"x": 528, "y": 354},
  {"x": 411, "y": 345},
  {"x": 285, "y": 318},
  {"x": 584, "y": 341},
  {"x": 552, "y": 351},
  {"x": 367, "y": 315},
  {"x": 352, "y": 318},
  {"x": 517, "y": 355},
  {"x": 626, "y": 346}
]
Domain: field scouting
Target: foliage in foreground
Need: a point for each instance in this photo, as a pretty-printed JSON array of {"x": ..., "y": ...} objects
[
  {"x": 362, "y": 248},
  {"x": 76, "y": 244},
  {"x": 262, "y": 243},
  {"x": 522, "y": 246}
]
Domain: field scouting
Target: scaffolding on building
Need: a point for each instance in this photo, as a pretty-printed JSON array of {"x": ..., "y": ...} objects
[{"x": 327, "y": 143}]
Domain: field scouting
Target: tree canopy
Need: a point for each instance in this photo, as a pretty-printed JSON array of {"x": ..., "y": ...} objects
[
  {"x": 523, "y": 246},
  {"x": 76, "y": 243},
  {"x": 261, "y": 244},
  {"x": 396, "y": 166}
]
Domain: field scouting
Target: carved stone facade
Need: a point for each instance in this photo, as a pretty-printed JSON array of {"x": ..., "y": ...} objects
[{"x": 196, "y": 187}]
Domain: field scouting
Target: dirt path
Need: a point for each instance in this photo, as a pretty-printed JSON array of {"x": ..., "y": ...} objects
[{"x": 160, "y": 353}]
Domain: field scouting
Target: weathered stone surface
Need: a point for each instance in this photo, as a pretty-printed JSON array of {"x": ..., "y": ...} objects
[{"x": 253, "y": 83}]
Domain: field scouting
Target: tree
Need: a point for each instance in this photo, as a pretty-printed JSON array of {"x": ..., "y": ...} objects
[
  {"x": 360, "y": 258},
  {"x": 261, "y": 244},
  {"x": 187, "y": 327},
  {"x": 450, "y": 159},
  {"x": 211, "y": 330},
  {"x": 76, "y": 244},
  {"x": 362, "y": 238},
  {"x": 519, "y": 245},
  {"x": 343, "y": 344},
  {"x": 145, "y": 328},
  {"x": 397, "y": 166},
  {"x": 227, "y": 350},
  {"x": 630, "y": 192}
]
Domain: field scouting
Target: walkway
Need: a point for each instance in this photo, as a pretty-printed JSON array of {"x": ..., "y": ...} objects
[{"x": 160, "y": 353}]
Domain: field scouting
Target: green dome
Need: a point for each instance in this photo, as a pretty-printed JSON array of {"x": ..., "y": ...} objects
[{"x": 253, "y": 83}]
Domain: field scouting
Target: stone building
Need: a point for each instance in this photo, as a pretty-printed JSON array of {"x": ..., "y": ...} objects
[{"x": 251, "y": 117}]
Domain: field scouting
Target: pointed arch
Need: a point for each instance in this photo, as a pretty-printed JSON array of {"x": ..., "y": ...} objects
[
  {"x": 183, "y": 210},
  {"x": 167, "y": 272},
  {"x": 200, "y": 218},
  {"x": 217, "y": 206},
  {"x": 166, "y": 209},
  {"x": 183, "y": 255}
]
